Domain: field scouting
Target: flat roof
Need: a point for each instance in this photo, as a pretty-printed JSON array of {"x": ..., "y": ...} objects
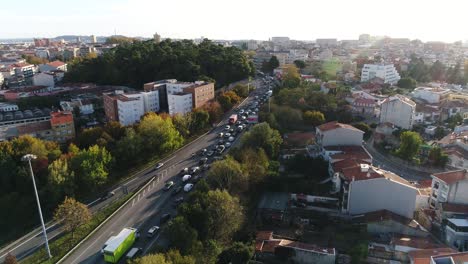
[
  {"x": 274, "y": 201},
  {"x": 459, "y": 222},
  {"x": 118, "y": 239}
]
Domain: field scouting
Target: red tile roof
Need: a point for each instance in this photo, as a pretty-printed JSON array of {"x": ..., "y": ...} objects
[
  {"x": 385, "y": 215},
  {"x": 458, "y": 258},
  {"x": 450, "y": 177},
  {"x": 56, "y": 63},
  {"x": 334, "y": 125},
  {"x": 350, "y": 152},
  {"x": 423, "y": 256},
  {"x": 266, "y": 243},
  {"x": 61, "y": 117}
]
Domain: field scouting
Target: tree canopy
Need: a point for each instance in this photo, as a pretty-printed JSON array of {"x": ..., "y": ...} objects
[
  {"x": 73, "y": 214},
  {"x": 136, "y": 63},
  {"x": 410, "y": 142},
  {"x": 263, "y": 136}
]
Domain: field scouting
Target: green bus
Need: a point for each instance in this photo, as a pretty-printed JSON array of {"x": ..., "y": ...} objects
[{"x": 117, "y": 246}]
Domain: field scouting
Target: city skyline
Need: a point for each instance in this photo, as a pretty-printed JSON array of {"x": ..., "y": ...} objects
[{"x": 427, "y": 20}]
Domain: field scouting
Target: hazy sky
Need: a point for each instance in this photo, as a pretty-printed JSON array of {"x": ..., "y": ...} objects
[{"x": 237, "y": 19}]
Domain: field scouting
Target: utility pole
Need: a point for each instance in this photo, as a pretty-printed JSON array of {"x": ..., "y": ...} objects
[{"x": 28, "y": 158}]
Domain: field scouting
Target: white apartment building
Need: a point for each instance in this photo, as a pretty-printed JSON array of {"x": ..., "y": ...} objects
[
  {"x": 398, "y": 110},
  {"x": 430, "y": 95},
  {"x": 151, "y": 101},
  {"x": 386, "y": 72},
  {"x": 179, "y": 103},
  {"x": 449, "y": 187},
  {"x": 130, "y": 109}
]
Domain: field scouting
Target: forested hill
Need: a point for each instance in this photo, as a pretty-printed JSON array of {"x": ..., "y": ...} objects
[{"x": 134, "y": 64}]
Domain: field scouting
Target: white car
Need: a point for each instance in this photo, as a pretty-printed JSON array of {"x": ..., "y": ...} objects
[
  {"x": 153, "y": 230},
  {"x": 227, "y": 144},
  {"x": 227, "y": 127},
  {"x": 186, "y": 177},
  {"x": 188, "y": 187},
  {"x": 227, "y": 135},
  {"x": 231, "y": 139}
]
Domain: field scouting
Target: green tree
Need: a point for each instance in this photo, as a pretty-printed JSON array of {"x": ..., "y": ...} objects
[
  {"x": 314, "y": 118},
  {"x": 91, "y": 167},
  {"x": 241, "y": 90},
  {"x": 28, "y": 145},
  {"x": 439, "y": 132},
  {"x": 288, "y": 118},
  {"x": 129, "y": 149},
  {"x": 274, "y": 62},
  {"x": 300, "y": 64},
  {"x": 292, "y": 78},
  {"x": 437, "y": 71},
  {"x": 237, "y": 253},
  {"x": 159, "y": 135},
  {"x": 200, "y": 120},
  {"x": 61, "y": 178},
  {"x": 227, "y": 174},
  {"x": 438, "y": 157},
  {"x": 174, "y": 257},
  {"x": 182, "y": 235},
  {"x": 151, "y": 259},
  {"x": 263, "y": 136},
  {"x": 407, "y": 83},
  {"x": 359, "y": 253},
  {"x": 254, "y": 163},
  {"x": 73, "y": 214},
  {"x": 365, "y": 128},
  {"x": 410, "y": 142},
  {"x": 228, "y": 99},
  {"x": 10, "y": 259}
]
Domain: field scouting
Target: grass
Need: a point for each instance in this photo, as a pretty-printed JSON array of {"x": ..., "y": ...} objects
[{"x": 62, "y": 245}]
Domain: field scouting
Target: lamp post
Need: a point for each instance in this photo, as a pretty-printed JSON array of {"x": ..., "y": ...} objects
[{"x": 28, "y": 158}]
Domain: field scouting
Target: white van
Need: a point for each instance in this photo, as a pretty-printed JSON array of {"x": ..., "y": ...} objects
[{"x": 133, "y": 253}]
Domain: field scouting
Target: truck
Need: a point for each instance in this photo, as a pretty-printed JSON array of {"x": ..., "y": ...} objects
[
  {"x": 232, "y": 119},
  {"x": 117, "y": 246}
]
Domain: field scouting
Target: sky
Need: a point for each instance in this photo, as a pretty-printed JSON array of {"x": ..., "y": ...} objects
[{"x": 427, "y": 20}]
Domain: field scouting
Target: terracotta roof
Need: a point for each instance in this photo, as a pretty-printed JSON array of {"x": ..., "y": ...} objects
[
  {"x": 450, "y": 177},
  {"x": 56, "y": 63},
  {"x": 458, "y": 258},
  {"x": 456, "y": 208},
  {"x": 350, "y": 152},
  {"x": 266, "y": 243},
  {"x": 61, "y": 117},
  {"x": 355, "y": 173},
  {"x": 20, "y": 65},
  {"x": 364, "y": 101},
  {"x": 424, "y": 184},
  {"x": 334, "y": 125},
  {"x": 385, "y": 215},
  {"x": 423, "y": 256},
  {"x": 264, "y": 235},
  {"x": 33, "y": 127}
]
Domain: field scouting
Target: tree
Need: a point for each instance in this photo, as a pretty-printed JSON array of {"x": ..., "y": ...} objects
[
  {"x": 129, "y": 149},
  {"x": 35, "y": 60},
  {"x": 365, "y": 128},
  {"x": 359, "y": 253},
  {"x": 439, "y": 132},
  {"x": 410, "y": 143},
  {"x": 200, "y": 119},
  {"x": 174, "y": 257},
  {"x": 10, "y": 259},
  {"x": 227, "y": 174},
  {"x": 237, "y": 253},
  {"x": 73, "y": 214},
  {"x": 292, "y": 78},
  {"x": 151, "y": 259},
  {"x": 228, "y": 99},
  {"x": 61, "y": 178},
  {"x": 91, "y": 167},
  {"x": 241, "y": 90},
  {"x": 254, "y": 163},
  {"x": 159, "y": 135},
  {"x": 263, "y": 136},
  {"x": 407, "y": 83},
  {"x": 182, "y": 235},
  {"x": 438, "y": 157},
  {"x": 274, "y": 62},
  {"x": 300, "y": 64},
  {"x": 314, "y": 118},
  {"x": 437, "y": 71},
  {"x": 214, "y": 110}
]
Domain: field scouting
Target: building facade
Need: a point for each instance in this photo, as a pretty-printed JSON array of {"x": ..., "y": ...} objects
[
  {"x": 398, "y": 110},
  {"x": 337, "y": 134},
  {"x": 386, "y": 72},
  {"x": 449, "y": 187}
]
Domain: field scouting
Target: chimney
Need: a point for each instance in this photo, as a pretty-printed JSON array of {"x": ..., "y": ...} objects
[{"x": 365, "y": 168}]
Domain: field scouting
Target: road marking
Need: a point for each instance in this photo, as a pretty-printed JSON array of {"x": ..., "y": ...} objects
[
  {"x": 91, "y": 203},
  {"x": 144, "y": 192},
  {"x": 154, "y": 183},
  {"x": 136, "y": 178},
  {"x": 139, "y": 196},
  {"x": 92, "y": 244},
  {"x": 133, "y": 203}
]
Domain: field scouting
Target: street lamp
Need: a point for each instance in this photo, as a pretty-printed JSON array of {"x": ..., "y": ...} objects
[{"x": 28, "y": 158}]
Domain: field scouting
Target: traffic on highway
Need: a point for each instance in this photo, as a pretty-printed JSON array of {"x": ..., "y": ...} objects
[{"x": 137, "y": 226}]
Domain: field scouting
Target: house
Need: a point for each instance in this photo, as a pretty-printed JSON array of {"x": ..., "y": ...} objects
[
  {"x": 451, "y": 258},
  {"x": 268, "y": 248},
  {"x": 387, "y": 72},
  {"x": 338, "y": 134},
  {"x": 59, "y": 126},
  {"x": 364, "y": 188},
  {"x": 424, "y": 256},
  {"x": 364, "y": 106},
  {"x": 456, "y": 233},
  {"x": 53, "y": 66},
  {"x": 449, "y": 187},
  {"x": 24, "y": 69},
  {"x": 430, "y": 95},
  {"x": 273, "y": 207},
  {"x": 398, "y": 110},
  {"x": 383, "y": 222},
  {"x": 48, "y": 79},
  {"x": 84, "y": 106}
]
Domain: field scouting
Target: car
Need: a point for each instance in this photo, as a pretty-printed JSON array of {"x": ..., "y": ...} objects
[
  {"x": 184, "y": 171},
  {"x": 230, "y": 139},
  {"x": 159, "y": 165},
  {"x": 227, "y": 135},
  {"x": 176, "y": 190},
  {"x": 152, "y": 231},
  {"x": 256, "y": 97},
  {"x": 210, "y": 153},
  {"x": 243, "y": 117},
  {"x": 227, "y": 127},
  {"x": 168, "y": 185},
  {"x": 253, "y": 113},
  {"x": 203, "y": 151},
  {"x": 188, "y": 187},
  {"x": 256, "y": 109},
  {"x": 234, "y": 134},
  {"x": 231, "y": 130},
  {"x": 238, "y": 122},
  {"x": 240, "y": 127},
  {"x": 241, "y": 111},
  {"x": 133, "y": 253},
  {"x": 228, "y": 144},
  {"x": 195, "y": 170},
  {"x": 164, "y": 218},
  {"x": 186, "y": 177},
  {"x": 203, "y": 160},
  {"x": 220, "y": 142},
  {"x": 221, "y": 134},
  {"x": 221, "y": 149}
]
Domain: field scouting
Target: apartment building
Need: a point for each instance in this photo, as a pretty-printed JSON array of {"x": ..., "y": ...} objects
[
  {"x": 449, "y": 187},
  {"x": 24, "y": 69},
  {"x": 338, "y": 134},
  {"x": 386, "y": 72},
  {"x": 398, "y": 110},
  {"x": 431, "y": 95},
  {"x": 62, "y": 125},
  {"x": 127, "y": 109}
]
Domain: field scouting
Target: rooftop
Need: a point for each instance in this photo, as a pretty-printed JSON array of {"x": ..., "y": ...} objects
[
  {"x": 33, "y": 127},
  {"x": 460, "y": 222},
  {"x": 349, "y": 152},
  {"x": 385, "y": 215},
  {"x": 451, "y": 177},
  {"x": 266, "y": 243},
  {"x": 61, "y": 117},
  {"x": 423, "y": 256},
  {"x": 56, "y": 63},
  {"x": 274, "y": 201},
  {"x": 118, "y": 239},
  {"x": 335, "y": 125},
  {"x": 455, "y": 208},
  {"x": 453, "y": 258}
]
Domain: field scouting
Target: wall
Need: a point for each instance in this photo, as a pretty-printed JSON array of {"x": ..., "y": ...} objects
[
  {"x": 397, "y": 113},
  {"x": 389, "y": 226},
  {"x": 458, "y": 192},
  {"x": 342, "y": 137},
  {"x": 377, "y": 194},
  {"x": 179, "y": 104},
  {"x": 305, "y": 257},
  {"x": 130, "y": 112}
]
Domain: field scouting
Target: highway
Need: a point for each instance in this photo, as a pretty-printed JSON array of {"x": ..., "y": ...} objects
[{"x": 145, "y": 210}]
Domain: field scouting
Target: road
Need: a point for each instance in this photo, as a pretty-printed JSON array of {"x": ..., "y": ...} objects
[
  {"x": 31, "y": 242},
  {"x": 145, "y": 209}
]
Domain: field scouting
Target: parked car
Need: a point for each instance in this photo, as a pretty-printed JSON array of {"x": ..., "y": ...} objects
[
  {"x": 164, "y": 218},
  {"x": 195, "y": 170},
  {"x": 228, "y": 144},
  {"x": 203, "y": 151},
  {"x": 168, "y": 185},
  {"x": 186, "y": 177},
  {"x": 210, "y": 153},
  {"x": 152, "y": 231},
  {"x": 134, "y": 252},
  {"x": 230, "y": 139},
  {"x": 188, "y": 187},
  {"x": 221, "y": 149},
  {"x": 221, "y": 134},
  {"x": 159, "y": 165},
  {"x": 184, "y": 171},
  {"x": 227, "y": 127},
  {"x": 203, "y": 160},
  {"x": 227, "y": 135}
]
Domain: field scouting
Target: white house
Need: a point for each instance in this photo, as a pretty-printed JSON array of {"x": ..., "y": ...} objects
[
  {"x": 449, "y": 187},
  {"x": 337, "y": 134},
  {"x": 398, "y": 110},
  {"x": 430, "y": 95},
  {"x": 386, "y": 72}
]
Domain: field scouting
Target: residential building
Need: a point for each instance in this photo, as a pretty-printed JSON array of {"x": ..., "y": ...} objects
[
  {"x": 451, "y": 258},
  {"x": 93, "y": 39},
  {"x": 179, "y": 102},
  {"x": 332, "y": 42},
  {"x": 53, "y": 66},
  {"x": 387, "y": 72},
  {"x": 398, "y": 110},
  {"x": 365, "y": 188},
  {"x": 364, "y": 106},
  {"x": 456, "y": 233},
  {"x": 202, "y": 92},
  {"x": 24, "y": 69},
  {"x": 430, "y": 95},
  {"x": 449, "y": 187},
  {"x": 267, "y": 247},
  {"x": 62, "y": 125},
  {"x": 425, "y": 256},
  {"x": 84, "y": 106},
  {"x": 384, "y": 222},
  {"x": 127, "y": 109},
  {"x": 8, "y": 107},
  {"x": 338, "y": 134},
  {"x": 48, "y": 79}
]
